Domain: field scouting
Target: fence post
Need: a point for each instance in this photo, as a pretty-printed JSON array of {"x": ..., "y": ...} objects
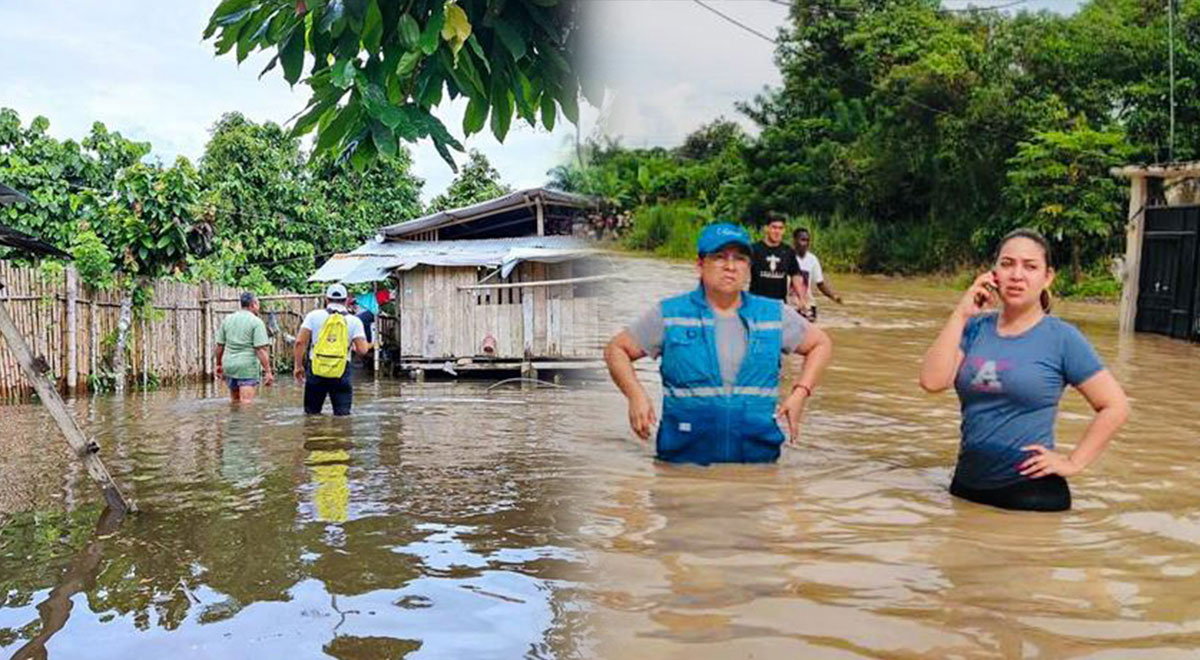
[
  {"x": 94, "y": 333},
  {"x": 72, "y": 329},
  {"x": 86, "y": 450},
  {"x": 206, "y": 323},
  {"x": 178, "y": 340}
]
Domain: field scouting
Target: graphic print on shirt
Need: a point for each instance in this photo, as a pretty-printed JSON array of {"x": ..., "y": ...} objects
[
  {"x": 987, "y": 374},
  {"x": 774, "y": 262}
]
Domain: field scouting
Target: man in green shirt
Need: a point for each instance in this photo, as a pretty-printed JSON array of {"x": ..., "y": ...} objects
[{"x": 242, "y": 356}]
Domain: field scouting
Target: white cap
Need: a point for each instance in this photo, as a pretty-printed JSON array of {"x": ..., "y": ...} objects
[{"x": 335, "y": 292}]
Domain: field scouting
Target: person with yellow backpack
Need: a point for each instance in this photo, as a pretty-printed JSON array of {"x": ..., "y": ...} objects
[{"x": 326, "y": 372}]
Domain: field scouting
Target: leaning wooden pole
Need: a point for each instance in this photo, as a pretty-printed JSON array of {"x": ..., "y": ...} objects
[{"x": 87, "y": 450}]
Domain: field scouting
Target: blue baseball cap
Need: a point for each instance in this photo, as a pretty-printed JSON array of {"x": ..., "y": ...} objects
[{"x": 722, "y": 234}]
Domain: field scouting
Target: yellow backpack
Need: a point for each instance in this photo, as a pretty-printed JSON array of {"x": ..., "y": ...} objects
[{"x": 333, "y": 346}]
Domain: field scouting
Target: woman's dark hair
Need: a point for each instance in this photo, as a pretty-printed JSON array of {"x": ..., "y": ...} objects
[{"x": 1036, "y": 237}]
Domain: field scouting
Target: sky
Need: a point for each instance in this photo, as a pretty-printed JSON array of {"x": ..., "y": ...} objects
[{"x": 141, "y": 68}]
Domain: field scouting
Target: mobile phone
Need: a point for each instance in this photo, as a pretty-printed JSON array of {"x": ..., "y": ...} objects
[{"x": 993, "y": 294}]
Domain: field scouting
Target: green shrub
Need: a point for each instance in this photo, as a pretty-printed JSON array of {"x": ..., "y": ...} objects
[
  {"x": 1095, "y": 283},
  {"x": 668, "y": 230},
  {"x": 841, "y": 243}
]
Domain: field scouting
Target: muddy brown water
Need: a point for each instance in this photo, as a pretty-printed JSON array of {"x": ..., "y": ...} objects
[{"x": 447, "y": 520}]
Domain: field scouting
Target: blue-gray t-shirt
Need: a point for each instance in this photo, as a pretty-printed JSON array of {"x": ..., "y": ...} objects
[{"x": 1009, "y": 388}]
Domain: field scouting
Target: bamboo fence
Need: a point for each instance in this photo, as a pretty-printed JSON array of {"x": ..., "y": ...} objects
[{"x": 72, "y": 327}]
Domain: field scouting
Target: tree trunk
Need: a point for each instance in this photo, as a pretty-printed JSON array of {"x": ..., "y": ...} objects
[
  {"x": 124, "y": 322},
  {"x": 1076, "y": 268}
]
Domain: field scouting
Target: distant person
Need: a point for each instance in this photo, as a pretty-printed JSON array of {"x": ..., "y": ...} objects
[
  {"x": 721, "y": 349},
  {"x": 365, "y": 315},
  {"x": 368, "y": 319},
  {"x": 811, "y": 274},
  {"x": 336, "y": 333},
  {"x": 242, "y": 351},
  {"x": 773, "y": 267},
  {"x": 1009, "y": 369}
]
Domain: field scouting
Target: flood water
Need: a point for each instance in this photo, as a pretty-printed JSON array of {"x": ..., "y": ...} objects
[{"x": 447, "y": 519}]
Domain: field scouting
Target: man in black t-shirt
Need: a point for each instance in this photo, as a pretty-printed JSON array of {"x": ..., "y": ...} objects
[{"x": 773, "y": 266}]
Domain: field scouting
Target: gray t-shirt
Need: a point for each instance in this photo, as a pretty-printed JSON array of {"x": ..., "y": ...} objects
[{"x": 647, "y": 331}]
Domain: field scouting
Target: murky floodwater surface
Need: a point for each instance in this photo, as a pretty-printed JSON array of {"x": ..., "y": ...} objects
[{"x": 448, "y": 520}]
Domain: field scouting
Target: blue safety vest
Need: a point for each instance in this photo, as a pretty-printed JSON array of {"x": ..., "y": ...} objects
[{"x": 702, "y": 420}]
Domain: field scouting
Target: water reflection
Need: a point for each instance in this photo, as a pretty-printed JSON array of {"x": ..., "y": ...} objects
[{"x": 265, "y": 531}]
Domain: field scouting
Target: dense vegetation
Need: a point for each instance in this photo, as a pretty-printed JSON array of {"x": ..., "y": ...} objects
[
  {"x": 256, "y": 211},
  {"x": 912, "y": 137}
]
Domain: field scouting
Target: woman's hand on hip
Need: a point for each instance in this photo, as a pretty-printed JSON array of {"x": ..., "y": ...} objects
[{"x": 1045, "y": 462}]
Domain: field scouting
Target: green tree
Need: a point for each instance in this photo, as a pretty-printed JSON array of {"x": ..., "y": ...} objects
[
  {"x": 1059, "y": 184},
  {"x": 477, "y": 182},
  {"x": 150, "y": 226},
  {"x": 278, "y": 213},
  {"x": 61, "y": 178},
  {"x": 378, "y": 69}
]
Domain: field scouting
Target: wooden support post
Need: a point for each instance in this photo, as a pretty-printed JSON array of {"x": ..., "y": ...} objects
[
  {"x": 72, "y": 329},
  {"x": 145, "y": 356},
  {"x": 1134, "y": 231},
  {"x": 94, "y": 334},
  {"x": 541, "y": 217},
  {"x": 207, "y": 334},
  {"x": 178, "y": 341},
  {"x": 87, "y": 450},
  {"x": 527, "y": 324},
  {"x": 375, "y": 332}
]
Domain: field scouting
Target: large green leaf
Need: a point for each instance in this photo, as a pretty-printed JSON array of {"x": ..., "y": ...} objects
[
  {"x": 372, "y": 33},
  {"x": 570, "y": 105},
  {"x": 410, "y": 32},
  {"x": 222, "y": 12},
  {"x": 408, "y": 63},
  {"x": 333, "y": 14},
  {"x": 291, "y": 54},
  {"x": 385, "y": 140},
  {"x": 476, "y": 115},
  {"x": 502, "y": 109},
  {"x": 512, "y": 41},
  {"x": 344, "y": 73},
  {"x": 548, "y": 111},
  {"x": 346, "y": 119},
  {"x": 433, "y": 29}
]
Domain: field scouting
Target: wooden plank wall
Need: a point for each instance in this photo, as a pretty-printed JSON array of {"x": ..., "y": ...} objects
[
  {"x": 169, "y": 342},
  {"x": 438, "y": 321}
]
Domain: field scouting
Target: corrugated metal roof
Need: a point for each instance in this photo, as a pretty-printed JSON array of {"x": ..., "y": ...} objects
[
  {"x": 509, "y": 202},
  {"x": 373, "y": 261}
]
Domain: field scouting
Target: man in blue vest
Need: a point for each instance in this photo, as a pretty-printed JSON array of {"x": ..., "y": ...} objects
[{"x": 721, "y": 349}]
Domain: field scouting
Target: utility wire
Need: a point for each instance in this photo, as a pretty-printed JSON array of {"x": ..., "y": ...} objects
[{"x": 867, "y": 83}]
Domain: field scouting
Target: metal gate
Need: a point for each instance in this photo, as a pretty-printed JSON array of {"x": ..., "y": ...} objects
[{"x": 1168, "y": 288}]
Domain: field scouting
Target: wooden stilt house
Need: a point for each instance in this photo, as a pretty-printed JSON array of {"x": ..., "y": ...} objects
[{"x": 502, "y": 284}]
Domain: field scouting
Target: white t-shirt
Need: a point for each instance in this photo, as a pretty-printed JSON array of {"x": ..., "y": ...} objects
[
  {"x": 810, "y": 269},
  {"x": 316, "y": 318}
]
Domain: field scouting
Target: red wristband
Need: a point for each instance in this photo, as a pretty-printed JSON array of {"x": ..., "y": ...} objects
[{"x": 806, "y": 388}]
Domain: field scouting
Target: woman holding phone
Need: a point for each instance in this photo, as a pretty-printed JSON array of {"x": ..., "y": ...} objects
[{"x": 1009, "y": 368}]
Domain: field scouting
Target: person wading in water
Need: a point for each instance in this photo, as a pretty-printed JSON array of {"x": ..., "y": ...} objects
[
  {"x": 1010, "y": 369},
  {"x": 811, "y": 274},
  {"x": 337, "y": 332},
  {"x": 243, "y": 357},
  {"x": 774, "y": 270},
  {"x": 721, "y": 350}
]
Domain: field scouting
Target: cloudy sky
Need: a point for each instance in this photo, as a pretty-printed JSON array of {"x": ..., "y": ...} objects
[
  {"x": 674, "y": 65},
  {"x": 140, "y": 67}
]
